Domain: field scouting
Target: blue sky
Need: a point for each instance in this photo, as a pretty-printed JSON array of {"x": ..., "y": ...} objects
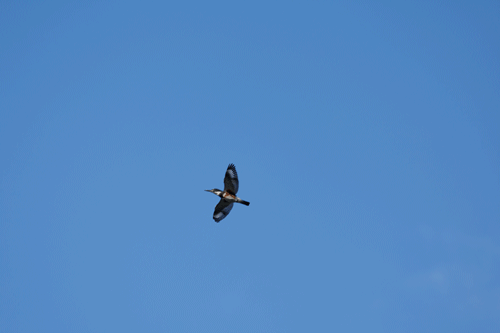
[{"x": 366, "y": 137}]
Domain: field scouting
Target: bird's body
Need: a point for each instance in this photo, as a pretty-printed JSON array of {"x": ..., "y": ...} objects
[{"x": 228, "y": 196}]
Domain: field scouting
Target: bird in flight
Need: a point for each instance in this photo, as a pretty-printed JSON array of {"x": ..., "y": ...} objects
[{"x": 228, "y": 196}]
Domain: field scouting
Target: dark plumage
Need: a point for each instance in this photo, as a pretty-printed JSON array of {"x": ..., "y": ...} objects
[{"x": 228, "y": 196}]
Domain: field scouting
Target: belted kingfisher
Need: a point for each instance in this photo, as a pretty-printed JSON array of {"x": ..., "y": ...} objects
[{"x": 228, "y": 196}]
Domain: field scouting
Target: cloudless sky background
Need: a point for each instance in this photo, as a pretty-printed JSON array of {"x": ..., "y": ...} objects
[{"x": 366, "y": 137}]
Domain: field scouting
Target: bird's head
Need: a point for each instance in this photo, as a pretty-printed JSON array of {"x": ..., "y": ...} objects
[{"x": 215, "y": 191}]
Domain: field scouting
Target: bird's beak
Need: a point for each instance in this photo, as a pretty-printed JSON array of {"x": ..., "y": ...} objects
[{"x": 208, "y": 190}]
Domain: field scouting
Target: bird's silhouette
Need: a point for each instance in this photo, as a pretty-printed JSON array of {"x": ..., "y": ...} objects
[{"x": 228, "y": 196}]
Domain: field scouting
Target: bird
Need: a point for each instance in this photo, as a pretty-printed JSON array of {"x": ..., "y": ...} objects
[{"x": 228, "y": 196}]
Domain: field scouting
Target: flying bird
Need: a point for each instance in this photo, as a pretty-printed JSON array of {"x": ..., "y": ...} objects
[{"x": 228, "y": 196}]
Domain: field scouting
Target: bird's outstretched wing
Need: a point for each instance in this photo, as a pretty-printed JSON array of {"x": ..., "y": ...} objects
[
  {"x": 222, "y": 209},
  {"x": 231, "y": 180}
]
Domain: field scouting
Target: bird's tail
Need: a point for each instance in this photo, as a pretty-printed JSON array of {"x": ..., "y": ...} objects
[{"x": 246, "y": 203}]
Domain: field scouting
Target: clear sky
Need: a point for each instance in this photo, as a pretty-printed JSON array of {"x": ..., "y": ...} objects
[{"x": 366, "y": 138}]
